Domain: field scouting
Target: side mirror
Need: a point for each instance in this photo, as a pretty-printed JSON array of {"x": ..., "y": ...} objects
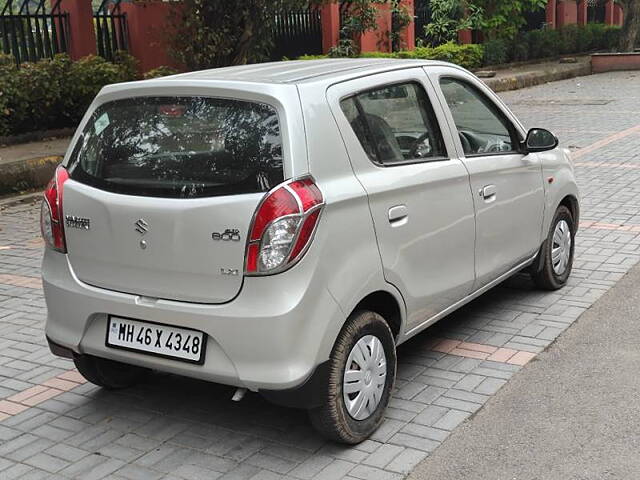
[{"x": 540, "y": 140}]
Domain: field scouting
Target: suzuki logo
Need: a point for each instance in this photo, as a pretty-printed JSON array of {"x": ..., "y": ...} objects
[{"x": 142, "y": 227}]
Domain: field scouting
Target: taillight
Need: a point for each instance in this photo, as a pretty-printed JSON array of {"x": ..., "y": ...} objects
[
  {"x": 51, "y": 221},
  {"x": 283, "y": 227}
]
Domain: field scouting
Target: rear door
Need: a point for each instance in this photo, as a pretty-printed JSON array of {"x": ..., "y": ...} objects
[
  {"x": 507, "y": 184},
  {"x": 162, "y": 191},
  {"x": 418, "y": 192}
]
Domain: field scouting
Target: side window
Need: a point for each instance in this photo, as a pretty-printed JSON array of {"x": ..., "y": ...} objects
[
  {"x": 395, "y": 124},
  {"x": 482, "y": 128}
]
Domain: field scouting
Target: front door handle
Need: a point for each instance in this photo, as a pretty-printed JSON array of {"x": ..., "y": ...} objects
[
  {"x": 488, "y": 192},
  {"x": 398, "y": 215}
]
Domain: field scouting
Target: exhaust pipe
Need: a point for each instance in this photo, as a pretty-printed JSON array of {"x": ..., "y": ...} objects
[{"x": 239, "y": 394}]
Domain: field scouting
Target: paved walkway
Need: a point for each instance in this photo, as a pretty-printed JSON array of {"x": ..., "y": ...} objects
[
  {"x": 26, "y": 151},
  {"x": 52, "y": 424},
  {"x": 538, "y": 73}
]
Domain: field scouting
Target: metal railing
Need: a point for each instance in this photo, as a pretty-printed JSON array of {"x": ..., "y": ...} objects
[
  {"x": 112, "y": 34},
  {"x": 29, "y": 32},
  {"x": 296, "y": 33}
]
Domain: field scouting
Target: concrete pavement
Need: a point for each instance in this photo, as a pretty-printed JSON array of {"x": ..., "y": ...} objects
[{"x": 574, "y": 413}]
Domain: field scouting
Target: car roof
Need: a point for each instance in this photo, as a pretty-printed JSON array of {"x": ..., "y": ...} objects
[{"x": 303, "y": 71}]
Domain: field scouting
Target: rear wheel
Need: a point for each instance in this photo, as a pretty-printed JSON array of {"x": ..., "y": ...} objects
[
  {"x": 361, "y": 376},
  {"x": 555, "y": 260},
  {"x": 109, "y": 373}
]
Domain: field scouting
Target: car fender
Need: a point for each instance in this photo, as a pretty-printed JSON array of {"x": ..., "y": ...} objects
[{"x": 559, "y": 183}]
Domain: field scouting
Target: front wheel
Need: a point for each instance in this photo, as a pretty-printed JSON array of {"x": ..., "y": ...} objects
[
  {"x": 552, "y": 268},
  {"x": 362, "y": 373}
]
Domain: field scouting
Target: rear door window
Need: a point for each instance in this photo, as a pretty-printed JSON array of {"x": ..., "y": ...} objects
[
  {"x": 395, "y": 124},
  {"x": 180, "y": 147}
]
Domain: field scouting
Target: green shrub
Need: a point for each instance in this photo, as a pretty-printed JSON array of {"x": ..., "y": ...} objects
[
  {"x": 569, "y": 39},
  {"x": 584, "y": 39},
  {"x": 313, "y": 57},
  {"x": 495, "y": 52},
  {"x": 378, "y": 55},
  {"x": 162, "y": 71},
  {"x": 520, "y": 48},
  {"x": 467, "y": 56},
  {"x": 54, "y": 93},
  {"x": 611, "y": 38}
]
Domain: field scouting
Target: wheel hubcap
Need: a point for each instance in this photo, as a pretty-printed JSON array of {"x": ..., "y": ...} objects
[
  {"x": 561, "y": 248},
  {"x": 364, "y": 377}
]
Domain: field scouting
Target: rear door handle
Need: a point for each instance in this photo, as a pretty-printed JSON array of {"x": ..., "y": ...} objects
[
  {"x": 488, "y": 192},
  {"x": 398, "y": 215}
]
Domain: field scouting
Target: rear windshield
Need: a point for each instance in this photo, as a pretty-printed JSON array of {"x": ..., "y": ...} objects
[{"x": 180, "y": 147}]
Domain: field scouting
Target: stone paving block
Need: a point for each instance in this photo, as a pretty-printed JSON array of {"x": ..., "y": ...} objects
[
  {"x": 413, "y": 441},
  {"x": 408, "y": 459},
  {"x": 336, "y": 469},
  {"x": 193, "y": 472},
  {"x": 66, "y": 452},
  {"x": 243, "y": 472},
  {"x": 371, "y": 473},
  {"x": 311, "y": 467},
  {"x": 425, "y": 432},
  {"x": 470, "y": 407},
  {"x": 46, "y": 462},
  {"x": 135, "y": 472},
  {"x": 451, "y": 419},
  {"x": 431, "y": 415},
  {"x": 490, "y": 386},
  {"x": 383, "y": 455}
]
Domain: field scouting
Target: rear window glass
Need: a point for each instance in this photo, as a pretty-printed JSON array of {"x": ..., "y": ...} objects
[{"x": 180, "y": 147}]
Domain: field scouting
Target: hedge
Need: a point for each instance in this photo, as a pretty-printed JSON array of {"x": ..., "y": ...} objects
[
  {"x": 54, "y": 94},
  {"x": 467, "y": 56},
  {"x": 538, "y": 44},
  {"x": 533, "y": 45}
]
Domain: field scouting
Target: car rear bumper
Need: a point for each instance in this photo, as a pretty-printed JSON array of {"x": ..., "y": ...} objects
[{"x": 270, "y": 338}]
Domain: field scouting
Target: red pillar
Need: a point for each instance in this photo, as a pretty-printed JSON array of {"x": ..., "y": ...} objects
[
  {"x": 82, "y": 35},
  {"x": 567, "y": 13},
  {"x": 330, "y": 15},
  {"x": 551, "y": 11},
  {"x": 150, "y": 31},
  {"x": 608, "y": 12},
  {"x": 408, "y": 35},
  {"x": 465, "y": 36},
  {"x": 378, "y": 40},
  {"x": 582, "y": 12},
  {"x": 618, "y": 14}
]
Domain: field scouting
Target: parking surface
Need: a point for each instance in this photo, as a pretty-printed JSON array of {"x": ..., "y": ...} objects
[{"x": 54, "y": 425}]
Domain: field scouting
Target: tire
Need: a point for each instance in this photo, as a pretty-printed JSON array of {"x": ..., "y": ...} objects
[
  {"x": 109, "y": 374},
  {"x": 543, "y": 273},
  {"x": 333, "y": 419}
]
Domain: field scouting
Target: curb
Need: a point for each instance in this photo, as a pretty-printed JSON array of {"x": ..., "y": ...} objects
[
  {"x": 21, "y": 175},
  {"x": 531, "y": 79}
]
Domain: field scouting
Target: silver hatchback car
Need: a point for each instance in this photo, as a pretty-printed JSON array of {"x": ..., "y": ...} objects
[{"x": 282, "y": 227}]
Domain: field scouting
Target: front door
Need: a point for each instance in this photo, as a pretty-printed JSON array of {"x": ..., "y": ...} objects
[
  {"x": 506, "y": 183},
  {"x": 419, "y": 193}
]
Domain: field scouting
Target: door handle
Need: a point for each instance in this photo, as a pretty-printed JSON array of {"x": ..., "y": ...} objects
[
  {"x": 398, "y": 215},
  {"x": 488, "y": 192}
]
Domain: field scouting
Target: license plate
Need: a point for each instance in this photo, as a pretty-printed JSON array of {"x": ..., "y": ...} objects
[{"x": 163, "y": 340}]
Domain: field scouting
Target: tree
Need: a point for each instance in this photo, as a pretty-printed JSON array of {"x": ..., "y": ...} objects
[
  {"x": 503, "y": 18},
  {"x": 631, "y": 27},
  {"x": 213, "y": 33}
]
